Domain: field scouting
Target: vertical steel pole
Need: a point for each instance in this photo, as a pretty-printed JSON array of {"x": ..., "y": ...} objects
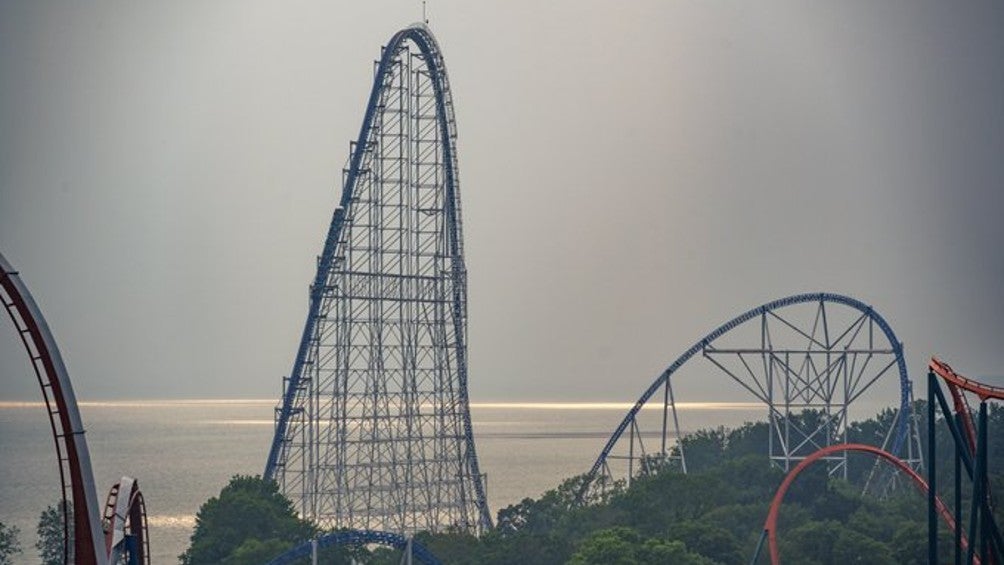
[
  {"x": 984, "y": 500},
  {"x": 631, "y": 454},
  {"x": 759, "y": 548},
  {"x": 787, "y": 412},
  {"x": 676, "y": 424},
  {"x": 958, "y": 499},
  {"x": 665, "y": 415},
  {"x": 932, "y": 521},
  {"x": 978, "y": 495}
]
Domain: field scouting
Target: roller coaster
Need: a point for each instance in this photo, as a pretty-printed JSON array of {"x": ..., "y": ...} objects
[
  {"x": 818, "y": 352},
  {"x": 982, "y": 543},
  {"x": 121, "y": 534},
  {"x": 970, "y": 457},
  {"x": 770, "y": 526},
  {"x": 373, "y": 434},
  {"x": 374, "y": 430}
]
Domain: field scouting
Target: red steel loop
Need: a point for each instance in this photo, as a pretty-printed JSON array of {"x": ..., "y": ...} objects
[
  {"x": 64, "y": 418},
  {"x": 770, "y": 526}
]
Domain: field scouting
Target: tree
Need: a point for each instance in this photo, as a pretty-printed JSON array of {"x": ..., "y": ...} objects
[
  {"x": 708, "y": 539},
  {"x": 811, "y": 542},
  {"x": 255, "y": 552},
  {"x": 50, "y": 542},
  {"x": 249, "y": 518},
  {"x": 717, "y": 512},
  {"x": 9, "y": 543},
  {"x": 909, "y": 544},
  {"x": 653, "y": 503},
  {"x": 855, "y": 547},
  {"x": 624, "y": 546},
  {"x": 749, "y": 439},
  {"x": 703, "y": 449}
]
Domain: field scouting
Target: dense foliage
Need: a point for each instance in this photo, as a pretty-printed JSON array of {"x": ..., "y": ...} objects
[
  {"x": 248, "y": 523},
  {"x": 10, "y": 545},
  {"x": 713, "y": 514}
]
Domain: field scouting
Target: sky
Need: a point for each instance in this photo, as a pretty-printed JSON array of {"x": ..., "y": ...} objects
[{"x": 632, "y": 175}]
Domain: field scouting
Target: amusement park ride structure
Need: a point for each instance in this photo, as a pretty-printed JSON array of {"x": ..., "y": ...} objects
[
  {"x": 983, "y": 542},
  {"x": 770, "y": 526},
  {"x": 373, "y": 437},
  {"x": 122, "y": 535},
  {"x": 970, "y": 456},
  {"x": 374, "y": 432},
  {"x": 818, "y": 352},
  {"x": 374, "y": 429}
]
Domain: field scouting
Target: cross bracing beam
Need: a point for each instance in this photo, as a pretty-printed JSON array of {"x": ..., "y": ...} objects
[
  {"x": 374, "y": 428},
  {"x": 819, "y": 351}
]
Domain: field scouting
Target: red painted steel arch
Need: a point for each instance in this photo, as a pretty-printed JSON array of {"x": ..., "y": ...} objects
[
  {"x": 770, "y": 526},
  {"x": 64, "y": 418}
]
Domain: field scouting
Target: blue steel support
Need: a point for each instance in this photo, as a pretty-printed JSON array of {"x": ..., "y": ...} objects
[
  {"x": 427, "y": 45},
  {"x": 759, "y": 548},
  {"x": 983, "y": 535},
  {"x": 953, "y": 428},
  {"x": 425, "y": 41},
  {"x": 357, "y": 537},
  {"x": 932, "y": 474},
  {"x": 904, "y": 381},
  {"x": 979, "y": 496}
]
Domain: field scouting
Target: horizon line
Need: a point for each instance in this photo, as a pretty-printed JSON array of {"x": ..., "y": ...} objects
[{"x": 490, "y": 405}]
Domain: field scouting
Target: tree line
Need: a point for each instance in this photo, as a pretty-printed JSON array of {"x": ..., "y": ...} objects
[{"x": 713, "y": 514}]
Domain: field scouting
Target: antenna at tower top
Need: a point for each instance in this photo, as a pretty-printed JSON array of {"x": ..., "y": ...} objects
[{"x": 424, "y": 18}]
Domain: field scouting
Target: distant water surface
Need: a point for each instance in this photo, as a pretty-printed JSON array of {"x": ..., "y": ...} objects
[{"x": 183, "y": 452}]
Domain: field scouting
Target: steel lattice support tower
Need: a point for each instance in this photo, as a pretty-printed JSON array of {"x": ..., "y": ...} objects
[
  {"x": 374, "y": 430},
  {"x": 807, "y": 358}
]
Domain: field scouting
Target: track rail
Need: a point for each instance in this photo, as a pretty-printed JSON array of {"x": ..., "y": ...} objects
[
  {"x": 298, "y": 382},
  {"x": 126, "y": 529},
  {"x": 75, "y": 473},
  {"x": 971, "y": 456},
  {"x": 901, "y": 431},
  {"x": 770, "y": 525},
  {"x": 982, "y": 390}
]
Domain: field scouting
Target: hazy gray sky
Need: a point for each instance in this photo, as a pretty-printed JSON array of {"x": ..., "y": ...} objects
[{"x": 633, "y": 174}]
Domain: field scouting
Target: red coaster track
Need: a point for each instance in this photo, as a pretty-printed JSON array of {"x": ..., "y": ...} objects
[
  {"x": 126, "y": 530},
  {"x": 770, "y": 526},
  {"x": 984, "y": 391},
  {"x": 125, "y": 517},
  {"x": 956, "y": 384},
  {"x": 970, "y": 437}
]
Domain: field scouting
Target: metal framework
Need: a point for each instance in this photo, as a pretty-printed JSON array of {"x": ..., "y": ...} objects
[
  {"x": 374, "y": 430},
  {"x": 127, "y": 537},
  {"x": 970, "y": 455},
  {"x": 75, "y": 475},
  {"x": 810, "y": 352},
  {"x": 770, "y": 525},
  {"x": 410, "y": 547}
]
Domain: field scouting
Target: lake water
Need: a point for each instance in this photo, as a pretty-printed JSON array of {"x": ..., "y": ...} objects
[{"x": 183, "y": 452}]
